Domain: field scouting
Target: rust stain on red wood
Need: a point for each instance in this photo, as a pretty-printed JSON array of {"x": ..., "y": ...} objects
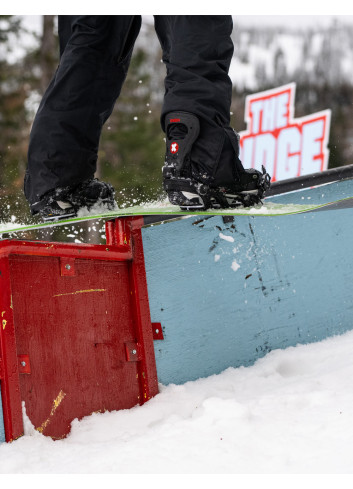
[
  {"x": 80, "y": 292},
  {"x": 56, "y": 404}
]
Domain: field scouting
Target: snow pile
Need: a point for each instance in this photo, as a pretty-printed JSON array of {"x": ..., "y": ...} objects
[
  {"x": 6, "y": 226},
  {"x": 289, "y": 413}
]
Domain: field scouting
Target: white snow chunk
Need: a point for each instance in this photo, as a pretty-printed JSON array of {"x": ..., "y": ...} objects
[{"x": 226, "y": 238}]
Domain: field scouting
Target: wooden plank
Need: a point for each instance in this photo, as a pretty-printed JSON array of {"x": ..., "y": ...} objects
[
  {"x": 10, "y": 386},
  {"x": 74, "y": 330},
  {"x": 228, "y": 293}
]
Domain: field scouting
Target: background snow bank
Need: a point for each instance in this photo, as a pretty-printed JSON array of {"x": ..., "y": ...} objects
[{"x": 292, "y": 412}]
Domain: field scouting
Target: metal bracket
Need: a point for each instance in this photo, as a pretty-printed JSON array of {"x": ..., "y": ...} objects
[
  {"x": 67, "y": 267},
  {"x": 157, "y": 331},
  {"x": 133, "y": 351},
  {"x": 24, "y": 367}
]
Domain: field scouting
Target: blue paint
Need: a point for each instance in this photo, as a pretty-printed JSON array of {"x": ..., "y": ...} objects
[
  {"x": 2, "y": 429},
  {"x": 282, "y": 281},
  {"x": 319, "y": 195}
]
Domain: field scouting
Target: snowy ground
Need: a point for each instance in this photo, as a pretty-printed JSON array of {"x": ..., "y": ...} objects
[{"x": 292, "y": 412}]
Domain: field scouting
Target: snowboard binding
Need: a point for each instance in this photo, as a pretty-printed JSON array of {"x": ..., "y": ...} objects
[
  {"x": 190, "y": 195},
  {"x": 249, "y": 191},
  {"x": 182, "y": 130},
  {"x": 65, "y": 202}
]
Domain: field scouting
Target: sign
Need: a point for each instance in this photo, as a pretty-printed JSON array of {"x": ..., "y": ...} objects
[{"x": 287, "y": 147}]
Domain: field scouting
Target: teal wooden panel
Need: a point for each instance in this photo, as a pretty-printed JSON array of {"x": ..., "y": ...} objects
[
  {"x": 2, "y": 430},
  {"x": 226, "y": 294},
  {"x": 320, "y": 195}
]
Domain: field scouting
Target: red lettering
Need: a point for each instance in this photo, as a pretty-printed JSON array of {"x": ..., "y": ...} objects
[{"x": 286, "y": 146}]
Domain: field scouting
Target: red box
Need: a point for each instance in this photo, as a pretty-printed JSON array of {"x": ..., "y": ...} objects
[{"x": 75, "y": 335}]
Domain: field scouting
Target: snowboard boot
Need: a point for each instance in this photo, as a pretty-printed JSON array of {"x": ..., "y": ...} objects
[
  {"x": 182, "y": 130},
  {"x": 65, "y": 202},
  {"x": 184, "y": 190}
]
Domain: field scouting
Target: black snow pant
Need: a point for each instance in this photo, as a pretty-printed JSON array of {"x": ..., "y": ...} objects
[{"x": 95, "y": 53}]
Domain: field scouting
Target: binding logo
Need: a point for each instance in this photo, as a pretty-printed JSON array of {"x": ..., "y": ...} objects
[
  {"x": 174, "y": 120},
  {"x": 287, "y": 147},
  {"x": 174, "y": 148}
]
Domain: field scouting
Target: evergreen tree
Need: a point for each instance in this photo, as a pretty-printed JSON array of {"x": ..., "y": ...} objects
[
  {"x": 22, "y": 83},
  {"x": 13, "y": 95}
]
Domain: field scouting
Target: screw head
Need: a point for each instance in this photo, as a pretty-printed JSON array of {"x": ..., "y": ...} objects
[
  {"x": 157, "y": 331},
  {"x": 68, "y": 267},
  {"x": 23, "y": 363},
  {"x": 134, "y": 352}
]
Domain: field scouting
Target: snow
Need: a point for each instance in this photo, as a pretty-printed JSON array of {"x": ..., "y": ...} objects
[
  {"x": 235, "y": 265},
  {"x": 290, "y": 413},
  {"x": 292, "y": 49},
  {"x": 226, "y": 238},
  {"x": 5, "y": 226}
]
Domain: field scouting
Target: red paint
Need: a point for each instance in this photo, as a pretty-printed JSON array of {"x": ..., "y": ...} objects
[
  {"x": 269, "y": 114},
  {"x": 118, "y": 233},
  {"x": 10, "y": 383},
  {"x": 174, "y": 148},
  {"x": 72, "y": 313},
  {"x": 24, "y": 364},
  {"x": 174, "y": 120},
  {"x": 139, "y": 294},
  {"x": 43, "y": 248},
  {"x": 157, "y": 331},
  {"x": 133, "y": 351},
  {"x": 67, "y": 267}
]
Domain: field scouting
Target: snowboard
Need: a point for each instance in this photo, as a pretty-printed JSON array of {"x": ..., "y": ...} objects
[{"x": 164, "y": 211}]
